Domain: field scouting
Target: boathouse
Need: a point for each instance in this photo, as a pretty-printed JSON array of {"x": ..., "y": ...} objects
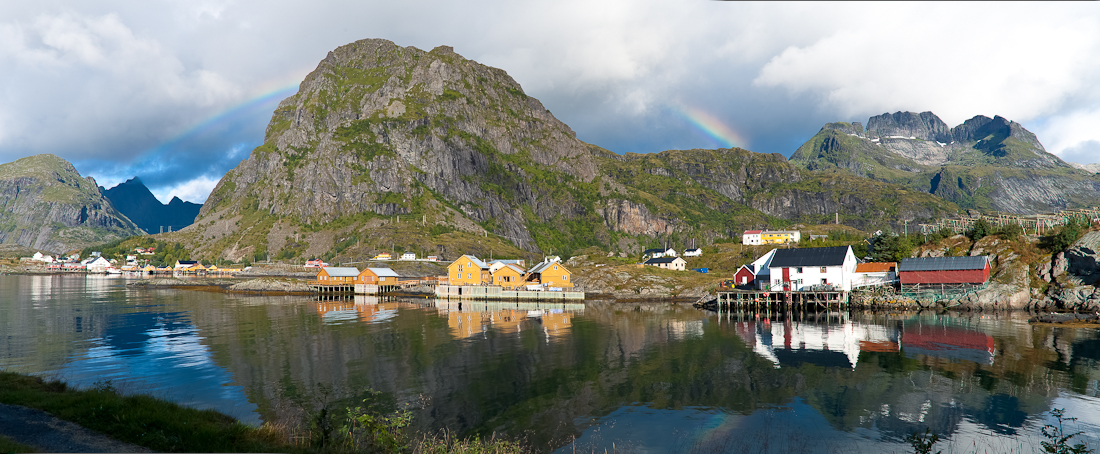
[
  {"x": 943, "y": 273},
  {"x": 377, "y": 276},
  {"x": 337, "y": 275},
  {"x": 508, "y": 275},
  {"x": 813, "y": 268},
  {"x": 550, "y": 273},
  {"x": 469, "y": 270},
  {"x": 744, "y": 277}
]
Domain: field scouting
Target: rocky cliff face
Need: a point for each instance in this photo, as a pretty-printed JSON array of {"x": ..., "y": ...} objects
[
  {"x": 984, "y": 163},
  {"x": 134, "y": 200},
  {"x": 379, "y": 133},
  {"x": 45, "y": 204}
]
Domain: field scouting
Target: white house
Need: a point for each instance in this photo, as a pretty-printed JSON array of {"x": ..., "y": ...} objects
[
  {"x": 42, "y": 257},
  {"x": 671, "y": 263},
  {"x": 408, "y": 256},
  {"x": 804, "y": 269},
  {"x": 658, "y": 253},
  {"x": 98, "y": 265},
  {"x": 693, "y": 252},
  {"x": 751, "y": 237},
  {"x": 760, "y": 269}
]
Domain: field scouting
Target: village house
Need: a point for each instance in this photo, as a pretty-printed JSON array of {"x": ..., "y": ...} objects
[
  {"x": 804, "y": 269},
  {"x": 185, "y": 265},
  {"x": 508, "y": 275},
  {"x": 943, "y": 273},
  {"x": 337, "y": 275},
  {"x": 668, "y": 263},
  {"x": 696, "y": 252},
  {"x": 97, "y": 265},
  {"x": 377, "y": 276},
  {"x": 875, "y": 273},
  {"x": 315, "y": 263},
  {"x": 550, "y": 273},
  {"x": 408, "y": 256},
  {"x": 658, "y": 253},
  {"x": 383, "y": 256},
  {"x": 469, "y": 270},
  {"x": 759, "y": 237},
  {"x": 755, "y": 275}
]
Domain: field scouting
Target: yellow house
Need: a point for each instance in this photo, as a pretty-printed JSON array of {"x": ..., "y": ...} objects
[
  {"x": 469, "y": 270},
  {"x": 336, "y": 275},
  {"x": 508, "y": 276},
  {"x": 377, "y": 276},
  {"x": 550, "y": 273},
  {"x": 780, "y": 236}
]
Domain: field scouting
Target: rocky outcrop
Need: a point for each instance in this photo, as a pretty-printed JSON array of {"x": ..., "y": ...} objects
[
  {"x": 1073, "y": 276},
  {"x": 924, "y": 126},
  {"x": 271, "y": 285},
  {"x": 45, "y": 204}
]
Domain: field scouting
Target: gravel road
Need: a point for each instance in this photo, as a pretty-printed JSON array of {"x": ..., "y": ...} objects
[{"x": 47, "y": 433}]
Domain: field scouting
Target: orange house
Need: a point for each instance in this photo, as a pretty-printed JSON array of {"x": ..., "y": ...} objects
[
  {"x": 508, "y": 276},
  {"x": 550, "y": 273},
  {"x": 469, "y": 270},
  {"x": 337, "y": 275},
  {"x": 377, "y": 276}
]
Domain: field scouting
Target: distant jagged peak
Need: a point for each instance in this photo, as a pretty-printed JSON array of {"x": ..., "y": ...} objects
[
  {"x": 924, "y": 126},
  {"x": 854, "y": 128}
]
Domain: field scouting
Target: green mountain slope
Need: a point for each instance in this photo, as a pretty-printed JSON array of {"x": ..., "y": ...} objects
[
  {"x": 389, "y": 148},
  {"x": 989, "y": 164},
  {"x": 45, "y": 204}
]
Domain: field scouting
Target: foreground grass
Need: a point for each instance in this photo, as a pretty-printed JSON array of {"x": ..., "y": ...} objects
[
  {"x": 143, "y": 420},
  {"x": 164, "y": 426},
  {"x": 7, "y": 445}
]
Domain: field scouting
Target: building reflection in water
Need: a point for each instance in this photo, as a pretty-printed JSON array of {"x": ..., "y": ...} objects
[
  {"x": 360, "y": 308},
  {"x": 469, "y": 319},
  {"x": 834, "y": 340}
]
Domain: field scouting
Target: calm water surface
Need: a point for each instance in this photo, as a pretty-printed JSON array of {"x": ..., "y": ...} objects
[{"x": 585, "y": 377}]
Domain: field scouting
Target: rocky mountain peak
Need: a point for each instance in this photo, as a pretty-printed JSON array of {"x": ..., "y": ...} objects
[{"x": 924, "y": 126}]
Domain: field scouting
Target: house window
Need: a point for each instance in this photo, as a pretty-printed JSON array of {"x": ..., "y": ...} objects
[
  {"x": 469, "y": 275},
  {"x": 824, "y": 282},
  {"x": 555, "y": 267},
  {"x": 460, "y": 269},
  {"x": 565, "y": 278},
  {"x": 823, "y": 270},
  {"x": 798, "y": 270}
]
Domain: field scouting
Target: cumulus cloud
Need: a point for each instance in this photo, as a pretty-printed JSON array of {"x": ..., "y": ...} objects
[
  {"x": 1073, "y": 136},
  {"x": 1020, "y": 61},
  {"x": 120, "y": 87}
]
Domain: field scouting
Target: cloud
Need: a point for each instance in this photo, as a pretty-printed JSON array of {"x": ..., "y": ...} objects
[
  {"x": 89, "y": 86},
  {"x": 195, "y": 190},
  {"x": 128, "y": 89},
  {"x": 1073, "y": 136},
  {"x": 1020, "y": 61}
]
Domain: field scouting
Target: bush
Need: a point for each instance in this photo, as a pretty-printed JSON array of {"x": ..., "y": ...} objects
[
  {"x": 1012, "y": 232},
  {"x": 1065, "y": 237},
  {"x": 980, "y": 229}
]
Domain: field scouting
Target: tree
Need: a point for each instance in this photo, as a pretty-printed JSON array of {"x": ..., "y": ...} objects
[{"x": 980, "y": 229}]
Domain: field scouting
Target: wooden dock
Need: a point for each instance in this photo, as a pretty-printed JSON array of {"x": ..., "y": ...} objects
[
  {"x": 783, "y": 300},
  {"x": 493, "y": 292}
]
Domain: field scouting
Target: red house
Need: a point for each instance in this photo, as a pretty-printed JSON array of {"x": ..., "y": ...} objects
[
  {"x": 944, "y": 271},
  {"x": 744, "y": 276}
]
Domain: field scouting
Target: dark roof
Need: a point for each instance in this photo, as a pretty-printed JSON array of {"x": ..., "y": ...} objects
[
  {"x": 811, "y": 256},
  {"x": 650, "y": 251},
  {"x": 661, "y": 260},
  {"x": 977, "y": 262}
]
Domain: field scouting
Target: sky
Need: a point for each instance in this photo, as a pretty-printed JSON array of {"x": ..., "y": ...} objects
[{"x": 178, "y": 92}]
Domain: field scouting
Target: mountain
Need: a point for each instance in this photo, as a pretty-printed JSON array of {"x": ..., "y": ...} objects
[
  {"x": 45, "y": 204},
  {"x": 133, "y": 199},
  {"x": 984, "y": 163},
  {"x": 387, "y": 147}
]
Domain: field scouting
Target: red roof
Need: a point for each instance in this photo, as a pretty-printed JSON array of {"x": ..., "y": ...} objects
[
  {"x": 876, "y": 267},
  {"x": 751, "y": 232}
]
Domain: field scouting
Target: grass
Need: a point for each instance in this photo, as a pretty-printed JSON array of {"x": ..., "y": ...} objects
[
  {"x": 167, "y": 427},
  {"x": 7, "y": 445}
]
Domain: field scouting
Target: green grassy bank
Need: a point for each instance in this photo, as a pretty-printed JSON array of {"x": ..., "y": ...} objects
[{"x": 164, "y": 426}]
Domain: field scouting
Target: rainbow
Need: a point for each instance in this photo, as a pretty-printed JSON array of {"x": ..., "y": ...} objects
[{"x": 711, "y": 126}]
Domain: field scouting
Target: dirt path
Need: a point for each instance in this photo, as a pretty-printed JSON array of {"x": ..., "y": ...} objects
[{"x": 47, "y": 433}]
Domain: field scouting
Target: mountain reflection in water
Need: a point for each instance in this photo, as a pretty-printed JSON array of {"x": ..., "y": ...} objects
[{"x": 642, "y": 377}]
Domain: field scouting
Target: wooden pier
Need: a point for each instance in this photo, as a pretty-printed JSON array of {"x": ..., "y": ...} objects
[
  {"x": 493, "y": 292},
  {"x": 783, "y": 300}
]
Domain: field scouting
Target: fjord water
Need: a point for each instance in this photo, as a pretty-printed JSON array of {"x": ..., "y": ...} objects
[{"x": 645, "y": 377}]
